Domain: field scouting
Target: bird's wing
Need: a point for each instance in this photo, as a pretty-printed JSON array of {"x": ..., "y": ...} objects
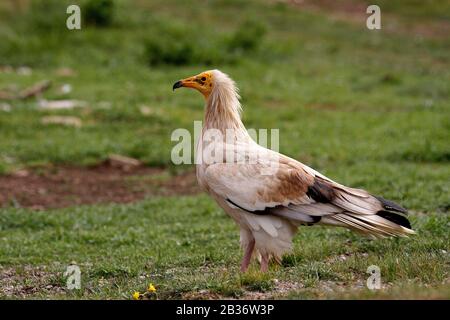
[{"x": 299, "y": 193}]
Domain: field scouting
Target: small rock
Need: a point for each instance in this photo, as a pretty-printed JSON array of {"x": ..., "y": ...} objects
[
  {"x": 342, "y": 257},
  {"x": 66, "y": 88},
  {"x": 64, "y": 120},
  {"x": 61, "y": 104},
  {"x": 102, "y": 282},
  {"x": 145, "y": 110},
  {"x": 5, "y": 107},
  {"x": 123, "y": 161},
  {"x": 21, "y": 173},
  {"x": 35, "y": 90},
  {"x": 24, "y": 71},
  {"x": 65, "y": 72}
]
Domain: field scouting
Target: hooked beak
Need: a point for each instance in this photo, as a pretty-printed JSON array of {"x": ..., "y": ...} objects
[
  {"x": 188, "y": 83},
  {"x": 194, "y": 82},
  {"x": 177, "y": 85}
]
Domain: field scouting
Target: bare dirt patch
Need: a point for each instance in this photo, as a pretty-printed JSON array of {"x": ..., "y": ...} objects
[
  {"x": 280, "y": 290},
  {"x": 63, "y": 186},
  {"x": 28, "y": 281}
]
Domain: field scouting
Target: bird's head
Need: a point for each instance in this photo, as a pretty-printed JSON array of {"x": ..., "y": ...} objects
[
  {"x": 221, "y": 98},
  {"x": 202, "y": 82}
]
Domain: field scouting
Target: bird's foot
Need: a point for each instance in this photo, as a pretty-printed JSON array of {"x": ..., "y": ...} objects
[
  {"x": 264, "y": 263},
  {"x": 247, "y": 256},
  {"x": 244, "y": 266}
]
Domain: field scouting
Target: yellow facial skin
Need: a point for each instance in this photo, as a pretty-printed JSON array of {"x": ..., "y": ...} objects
[{"x": 201, "y": 82}]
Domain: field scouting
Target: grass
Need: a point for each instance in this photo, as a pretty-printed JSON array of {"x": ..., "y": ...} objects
[
  {"x": 122, "y": 248},
  {"x": 367, "y": 108}
]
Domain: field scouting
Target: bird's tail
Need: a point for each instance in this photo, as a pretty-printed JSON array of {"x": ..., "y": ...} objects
[
  {"x": 368, "y": 214},
  {"x": 336, "y": 205},
  {"x": 383, "y": 224}
]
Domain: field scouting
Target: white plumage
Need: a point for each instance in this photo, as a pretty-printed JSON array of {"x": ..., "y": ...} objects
[{"x": 268, "y": 194}]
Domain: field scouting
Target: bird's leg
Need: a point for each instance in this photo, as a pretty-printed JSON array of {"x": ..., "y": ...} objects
[
  {"x": 264, "y": 262},
  {"x": 247, "y": 255}
]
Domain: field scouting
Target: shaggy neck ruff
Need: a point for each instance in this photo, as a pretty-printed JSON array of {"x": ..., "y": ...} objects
[{"x": 223, "y": 109}]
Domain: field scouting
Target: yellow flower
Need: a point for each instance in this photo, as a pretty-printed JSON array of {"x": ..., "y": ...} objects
[
  {"x": 136, "y": 295},
  {"x": 151, "y": 288}
]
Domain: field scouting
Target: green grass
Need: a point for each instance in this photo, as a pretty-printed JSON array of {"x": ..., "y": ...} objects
[
  {"x": 367, "y": 108},
  {"x": 187, "y": 245}
]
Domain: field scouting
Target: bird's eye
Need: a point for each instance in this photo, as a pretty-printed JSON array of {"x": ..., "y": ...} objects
[{"x": 203, "y": 79}]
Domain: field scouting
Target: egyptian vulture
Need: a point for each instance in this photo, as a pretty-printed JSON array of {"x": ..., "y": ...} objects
[{"x": 269, "y": 195}]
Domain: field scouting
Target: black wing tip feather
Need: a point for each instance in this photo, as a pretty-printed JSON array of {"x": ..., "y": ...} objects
[
  {"x": 394, "y": 212},
  {"x": 395, "y": 218},
  {"x": 320, "y": 191},
  {"x": 391, "y": 206}
]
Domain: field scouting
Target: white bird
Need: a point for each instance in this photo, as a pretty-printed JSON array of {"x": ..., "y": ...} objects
[{"x": 269, "y": 194}]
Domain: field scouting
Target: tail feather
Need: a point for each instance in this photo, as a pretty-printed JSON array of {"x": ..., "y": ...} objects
[
  {"x": 390, "y": 205},
  {"x": 370, "y": 214},
  {"x": 363, "y": 226},
  {"x": 395, "y": 218},
  {"x": 336, "y": 205},
  {"x": 374, "y": 225}
]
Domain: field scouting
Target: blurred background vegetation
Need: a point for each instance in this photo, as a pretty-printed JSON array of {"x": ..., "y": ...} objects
[{"x": 342, "y": 95}]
